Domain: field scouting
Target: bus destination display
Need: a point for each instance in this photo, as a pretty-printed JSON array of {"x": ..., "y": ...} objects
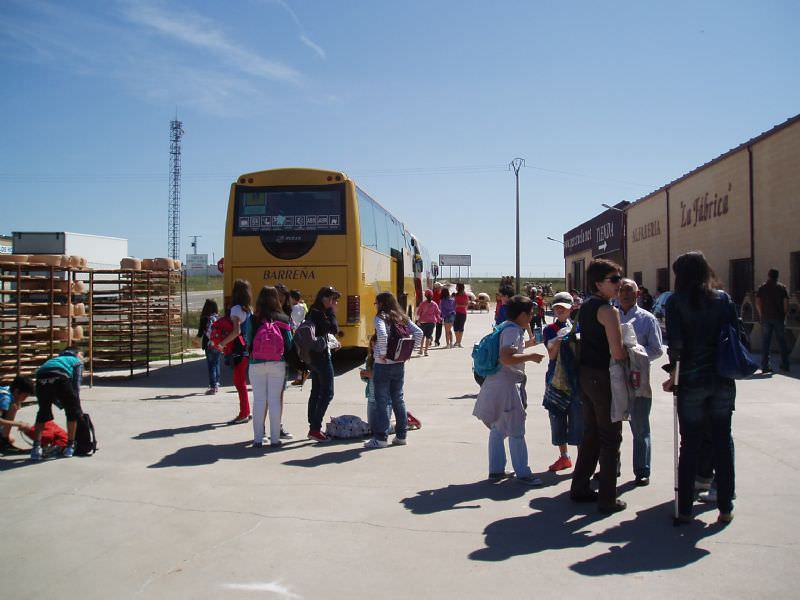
[{"x": 308, "y": 210}]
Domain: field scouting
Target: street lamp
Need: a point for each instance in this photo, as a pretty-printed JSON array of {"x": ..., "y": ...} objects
[
  {"x": 516, "y": 164},
  {"x": 555, "y": 240}
]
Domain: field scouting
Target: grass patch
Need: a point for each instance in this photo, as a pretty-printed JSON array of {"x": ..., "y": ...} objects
[
  {"x": 490, "y": 285},
  {"x": 198, "y": 283}
]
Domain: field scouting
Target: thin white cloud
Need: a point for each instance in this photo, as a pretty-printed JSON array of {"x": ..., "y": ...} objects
[
  {"x": 319, "y": 50},
  {"x": 200, "y": 32}
]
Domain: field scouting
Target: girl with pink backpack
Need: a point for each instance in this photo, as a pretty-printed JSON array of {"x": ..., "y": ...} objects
[{"x": 269, "y": 343}]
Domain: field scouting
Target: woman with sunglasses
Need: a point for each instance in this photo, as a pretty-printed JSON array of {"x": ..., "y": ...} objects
[
  {"x": 600, "y": 341},
  {"x": 323, "y": 315}
]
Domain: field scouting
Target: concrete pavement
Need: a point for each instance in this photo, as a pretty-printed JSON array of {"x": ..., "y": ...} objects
[{"x": 176, "y": 504}]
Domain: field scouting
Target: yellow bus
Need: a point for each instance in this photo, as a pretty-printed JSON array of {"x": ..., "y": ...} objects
[{"x": 307, "y": 228}]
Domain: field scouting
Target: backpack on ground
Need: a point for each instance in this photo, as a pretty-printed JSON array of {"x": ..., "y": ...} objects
[
  {"x": 220, "y": 329},
  {"x": 486, "y": 353},
  {"x": 306, "y": 341},
  {"x": 85, "y": 440},
  {"x": 400, "y": 343},
  {"x": 268, "y": 341}
]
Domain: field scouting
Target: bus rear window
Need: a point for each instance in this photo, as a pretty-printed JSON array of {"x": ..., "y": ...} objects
[{"x": 309, "y": 209}]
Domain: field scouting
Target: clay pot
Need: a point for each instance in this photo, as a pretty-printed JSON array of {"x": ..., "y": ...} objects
[
  {"x": 15, "y": 258},
  {"x": 134, "y": 264},
  {"x": 78, "y": 287},
  {"x": 77, "y": 332},
  {"x": 52, "y": 260},
  {"x": 162, "y": 264},
  {"x": 147, "y": 264}
]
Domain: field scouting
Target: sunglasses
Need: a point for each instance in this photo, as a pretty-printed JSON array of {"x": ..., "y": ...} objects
[{"x": 613, "y": 278}]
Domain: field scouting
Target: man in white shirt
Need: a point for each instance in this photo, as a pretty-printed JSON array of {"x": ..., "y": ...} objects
[{"x": 648, "y": 334}]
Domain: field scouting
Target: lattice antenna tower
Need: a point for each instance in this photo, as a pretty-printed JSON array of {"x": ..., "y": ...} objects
[{"x": 174, "y": 218}]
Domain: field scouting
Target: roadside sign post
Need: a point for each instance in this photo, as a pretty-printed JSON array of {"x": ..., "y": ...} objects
[{"x": 455, "y": 260}]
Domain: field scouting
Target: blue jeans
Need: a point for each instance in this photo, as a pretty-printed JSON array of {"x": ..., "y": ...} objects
[
  {"x": 213, "y": 360},
  {"x": 640, "y": 428},
  {"x": 388, "y": 381},
  {"x": 767, "y": 329},
  {"x": 517, "y": 448},
  {"x": 371, "y": 406},
  {"x": 700, "y": 406},
  {"x": 321, "y": 394},
  {"x": 567, "y": 428}
]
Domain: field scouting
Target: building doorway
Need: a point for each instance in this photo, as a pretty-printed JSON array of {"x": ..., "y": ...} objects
[
  {"x": 662, "y": 279},
  {"x": 741, "y": 278}
]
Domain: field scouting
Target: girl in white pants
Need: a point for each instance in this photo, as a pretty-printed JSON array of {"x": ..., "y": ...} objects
[
  {"x": 268, "y": 379},
  {"x": 268, "y": 376}
]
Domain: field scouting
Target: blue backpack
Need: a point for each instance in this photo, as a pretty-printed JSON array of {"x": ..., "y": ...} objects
[{"x": 486, "y": 353}]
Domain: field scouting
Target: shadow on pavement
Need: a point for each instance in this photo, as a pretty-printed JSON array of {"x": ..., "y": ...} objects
[
  {"x": 454, "y": 497},
  {"x": 559, "y": 523},
  {"x": 208, "y": 454},
  {"x": 193, "y": 373},
  {"x": 164, "y": 433},
  {"x": 330, "y": 458}
]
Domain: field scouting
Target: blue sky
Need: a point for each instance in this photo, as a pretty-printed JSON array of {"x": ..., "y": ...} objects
[{"x": 423, "y": 103}]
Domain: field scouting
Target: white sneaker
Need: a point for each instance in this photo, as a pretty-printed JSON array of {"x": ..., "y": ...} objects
[
  {"x": 399, "y": 441},
  {"x": 375, "y": 443}
]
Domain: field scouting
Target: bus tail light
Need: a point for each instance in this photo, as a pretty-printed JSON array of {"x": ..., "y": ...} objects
[{"x": 353, "y": 309}]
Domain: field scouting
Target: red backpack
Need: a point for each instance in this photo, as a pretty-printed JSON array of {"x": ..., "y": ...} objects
[
  {"x": 400, "y": 345},
  {"x": 221, "y": 329}
]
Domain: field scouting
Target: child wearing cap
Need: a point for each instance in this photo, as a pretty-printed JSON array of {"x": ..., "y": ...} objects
[
  {"x": 565, "y": 428},
  {"x": 428, "y": 314}
]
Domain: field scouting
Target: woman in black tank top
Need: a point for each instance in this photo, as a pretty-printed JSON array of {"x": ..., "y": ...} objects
[{"x": 600, "y": 340}]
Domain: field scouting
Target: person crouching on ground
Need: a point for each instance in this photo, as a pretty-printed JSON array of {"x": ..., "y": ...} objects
[
  {"x": 58, "y": 381},
  {"x": 565, "y": 428},
  {"x": 388, "y": 375},
  {"x": 11, "y": 399},
  {"x": 501, "y": 403}
]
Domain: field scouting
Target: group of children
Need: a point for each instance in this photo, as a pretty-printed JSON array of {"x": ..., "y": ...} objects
[{"x": 502, "y": 401}]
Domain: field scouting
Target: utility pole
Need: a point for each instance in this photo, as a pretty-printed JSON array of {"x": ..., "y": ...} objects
[
  {"x": 194, "y": 242},
  {"x": 515, "y": 165}
]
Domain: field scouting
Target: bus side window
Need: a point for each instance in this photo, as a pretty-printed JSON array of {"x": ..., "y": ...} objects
[
  {"x": 366, "y": 211},
  {"x": 382, "y": 229}
]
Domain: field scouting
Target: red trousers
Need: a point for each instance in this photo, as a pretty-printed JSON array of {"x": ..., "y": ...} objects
[{"x": 240, "y": 383}]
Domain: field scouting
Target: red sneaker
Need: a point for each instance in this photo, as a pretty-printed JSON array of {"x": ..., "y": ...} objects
[
  {"x": 319, "y": 436},
  {"x": 562, "y": 463}
]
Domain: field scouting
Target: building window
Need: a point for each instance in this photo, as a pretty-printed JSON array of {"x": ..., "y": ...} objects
[
  {"x": 662, "y": 279},
  {"x": 637, "y": 277}
]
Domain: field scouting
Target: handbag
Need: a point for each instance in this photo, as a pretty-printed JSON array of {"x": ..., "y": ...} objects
[
  {"x": 555, "y": 400},
  {"x": 733, "y": 361}
]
